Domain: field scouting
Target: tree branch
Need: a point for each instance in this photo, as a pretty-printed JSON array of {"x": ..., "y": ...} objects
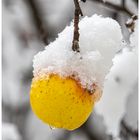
[
  {"x": 115, "y": 7},
  {"x": 38, "y": 20},
  {"x": 123, "y": 3},
  {"x": 126, "y": 130},
  {"x": 78, "y": 12},
  {"x": 130, "y": 24}
]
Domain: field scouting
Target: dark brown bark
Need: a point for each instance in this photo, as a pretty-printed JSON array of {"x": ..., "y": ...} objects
[
  {"x": 78, "y": 12},
  {"x": 130, "y": 24}
]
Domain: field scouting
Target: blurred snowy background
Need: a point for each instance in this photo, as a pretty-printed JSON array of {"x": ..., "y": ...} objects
[{"x": 28, "y": 25}]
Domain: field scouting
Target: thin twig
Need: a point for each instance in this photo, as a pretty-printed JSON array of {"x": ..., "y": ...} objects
[
  {"x": 77, "y": 6},
  {"x": 123, "y": 3},
  {"x": 78, "y": 12},
  {"x": 115, "y": 7},
  {"x": 130, "y": 24},
  {"x": 127, "y": 129}
]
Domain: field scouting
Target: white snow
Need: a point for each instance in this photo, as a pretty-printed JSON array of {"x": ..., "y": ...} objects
[
  {"x": 100, "y": 39},
  {"x": 118, "y": 86},
  {"x": 131, "y": 116}
]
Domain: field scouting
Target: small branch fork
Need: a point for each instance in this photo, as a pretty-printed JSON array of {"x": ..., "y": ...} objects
[
  {"x": 130, "y": 24},
  {"x": 78, "y": 12}
]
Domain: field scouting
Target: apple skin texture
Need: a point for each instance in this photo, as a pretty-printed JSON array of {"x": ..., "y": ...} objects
[{"x": 61, "y": 102}]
